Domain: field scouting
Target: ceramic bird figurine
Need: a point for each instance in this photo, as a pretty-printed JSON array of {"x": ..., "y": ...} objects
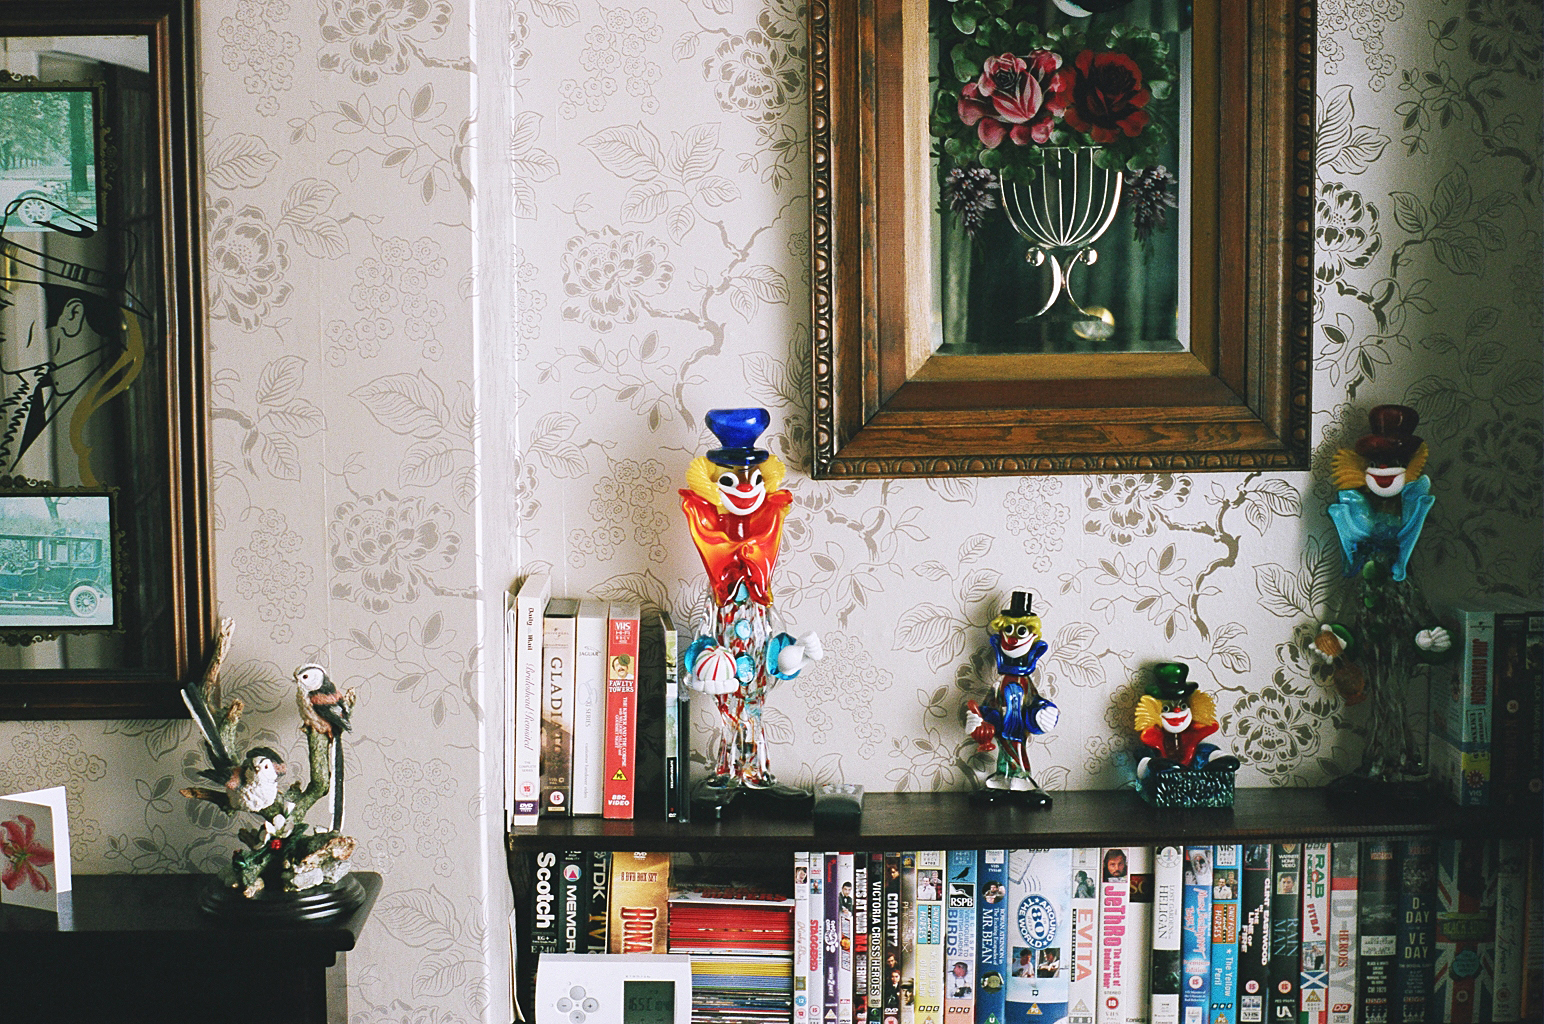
[
  {"x": 322, "y": 706},
  {"x": 254, "y": 786},
  {"x": 325, "y": 709}
]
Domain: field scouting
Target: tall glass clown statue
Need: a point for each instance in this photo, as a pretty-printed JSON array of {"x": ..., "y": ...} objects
[
  {"x": 735, "y": 507},
  {"x": 1016, "y": 710},
  {"x": 1385, "y": 630}
]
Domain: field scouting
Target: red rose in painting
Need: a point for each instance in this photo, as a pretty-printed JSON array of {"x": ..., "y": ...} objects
[
  {"x": 1107, "y": 97},
  {"x": 1016, "y": 98},
  {"x": 23, "y": 854}
]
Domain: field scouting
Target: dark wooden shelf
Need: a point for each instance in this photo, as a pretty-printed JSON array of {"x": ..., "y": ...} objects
[{"x": 901, "y": 821}]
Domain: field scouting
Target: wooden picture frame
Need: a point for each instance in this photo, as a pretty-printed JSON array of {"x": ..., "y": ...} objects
[
  {"x": 110, "y": 395},
  {"x": 1238, "y": 398}
]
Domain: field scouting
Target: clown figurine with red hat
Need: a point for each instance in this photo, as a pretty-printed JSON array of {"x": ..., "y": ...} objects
[
  {"x": 1016, "y": 711},
  {"x": 734, "y": 508},
  {"x": 1386, "y": 632}
]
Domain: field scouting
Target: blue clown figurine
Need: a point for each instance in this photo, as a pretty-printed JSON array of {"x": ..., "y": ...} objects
[
  {"x": 1016, "y": 711},
  {"x": 1384, "y": 496}
]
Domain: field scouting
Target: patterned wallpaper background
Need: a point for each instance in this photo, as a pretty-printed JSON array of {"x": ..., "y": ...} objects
[{"x": 659, "y": 156}]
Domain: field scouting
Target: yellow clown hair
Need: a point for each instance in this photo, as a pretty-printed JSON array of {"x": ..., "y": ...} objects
[
  {"x": 1004, "y": 620},
  {"x": 1349, "y": 470},
  {"x": 702, "y": 476},
  {"x": 1149, "y": 708}
]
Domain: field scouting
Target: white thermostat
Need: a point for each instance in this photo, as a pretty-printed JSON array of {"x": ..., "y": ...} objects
[{"x": 614, "y": 988}]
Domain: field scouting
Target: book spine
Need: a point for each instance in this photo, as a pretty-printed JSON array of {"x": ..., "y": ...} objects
[
  {"x": 599, "y": 879},
  {"x": 860, "y": 937},
  {"x": 1416, "y": 931},
  {"x": 621, "y": 710},
  {"x": 831, "y": 938},
  {"x": 876, "y": 938},
  {"x": 573, "y": 898},
  {"x": 801, "y": 937},
  {"x": 1254, "y": 934},
  {"x": 557, "y": 713},
  {"x": 1196, "y": 936},
  {"x": 991, "y": 937},
  {"x": 1377, "y": 914},
  {"x": 1114, "y": 904},
  {"x": 1039, "y": 934},
  {"x": 1533, "y": 935},
  {"x": 892, "y": 971},
  {"x": 1286, "y": 966},
  {"x": 1171, "y": 917},
  {"x": 589, "y": 708},
  {"x": 1511, "y": 715},
  {"x": 1083, "y": 985},
  {"x": 673, "y": 753},
  {"x": 1511, "y": 924},
  {"x": 511, "y": 701},
  {"x": 530, "y": 604},
  {"x": 1228, "y": 862},
  {"x": 908, "y": 937},
  {"x": 544, "y": 913},
  {"x": 1533, "y": 672},
  {"x": 817, "y": 937},
  {"x": 1138, "y": 940},
  {"x": 1314, "y": 978},
  {"x": 845, "y": 878},
  {"x": 1340, "y": 995},
  {"x": 930, "y": 936},
  {"x": 960, "y": 938}
]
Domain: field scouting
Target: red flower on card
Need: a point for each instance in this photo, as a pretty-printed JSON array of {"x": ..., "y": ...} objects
[{"x": 23, "y": 854}]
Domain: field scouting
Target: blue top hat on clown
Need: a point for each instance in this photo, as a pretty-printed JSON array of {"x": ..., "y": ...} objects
[{"x": 735, "y": 506}]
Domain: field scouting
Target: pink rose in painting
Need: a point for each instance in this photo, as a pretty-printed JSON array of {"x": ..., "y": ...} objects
[
  {"x": 1016, "y": 98},
  {"x": 1107, "y": 97},
  {"x": 23, "y": 854}
]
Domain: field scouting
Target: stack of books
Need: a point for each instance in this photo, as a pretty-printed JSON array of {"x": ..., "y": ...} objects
[
  {"x": 1487, "y": 712},
  {"x": 740, "y": 939},
  {"x": 1409, "y": 931},
  {"x": 578, "y": 672}
]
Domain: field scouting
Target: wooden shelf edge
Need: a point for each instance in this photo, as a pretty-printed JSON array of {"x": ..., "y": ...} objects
[{"x": 899, "y": 821}]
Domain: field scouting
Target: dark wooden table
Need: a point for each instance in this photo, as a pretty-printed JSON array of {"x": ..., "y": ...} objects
[{"x": 135, "y": 948}]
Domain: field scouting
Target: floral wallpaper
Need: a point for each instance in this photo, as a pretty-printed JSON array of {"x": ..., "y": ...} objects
[{"x": 654, "y": 158}]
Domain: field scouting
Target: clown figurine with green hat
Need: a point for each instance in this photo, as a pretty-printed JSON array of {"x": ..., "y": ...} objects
[
  {"x": 735, "y": 508},
  {"x": 1176, "y": 720},
  {"x": 1016, "y": 711}
]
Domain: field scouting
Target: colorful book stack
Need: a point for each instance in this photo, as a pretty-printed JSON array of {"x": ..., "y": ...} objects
[
  {"x": 741, "y": 941},
  {"x": 578, "y": 680}
]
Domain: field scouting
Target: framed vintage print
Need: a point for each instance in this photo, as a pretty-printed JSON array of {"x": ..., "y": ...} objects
[
  {"x": 105, "y": 587},
  {"x": 58, "y": 554},
  {"x": 49, "y": 153},
  {"x": 1053, "y": 236}
]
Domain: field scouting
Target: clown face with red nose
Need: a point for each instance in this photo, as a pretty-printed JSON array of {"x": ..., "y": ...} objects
[{"x": 1384, "y": 495}]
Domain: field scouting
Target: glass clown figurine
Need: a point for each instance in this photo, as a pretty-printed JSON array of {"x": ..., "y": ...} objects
[
  {"x": 1176, "y": 722},
  {"x": 1016, "y": 710},
  {"x": 1385, "y": 631},
  {"x": 735, "y": 507}
]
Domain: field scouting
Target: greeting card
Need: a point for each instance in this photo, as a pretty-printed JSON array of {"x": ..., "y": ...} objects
[{"x": 34, "y": 849}]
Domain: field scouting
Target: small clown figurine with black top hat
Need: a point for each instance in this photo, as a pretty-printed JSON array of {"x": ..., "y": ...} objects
[
  {"x": 1017, "y": 711},
  {"x": 1383, "y": 495},
  {"x": 1175, "y": 719},
  {"x": 735, "y": 508}
]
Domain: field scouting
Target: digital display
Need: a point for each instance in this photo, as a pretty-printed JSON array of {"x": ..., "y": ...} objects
[{"x": 648, "y": 1002}]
